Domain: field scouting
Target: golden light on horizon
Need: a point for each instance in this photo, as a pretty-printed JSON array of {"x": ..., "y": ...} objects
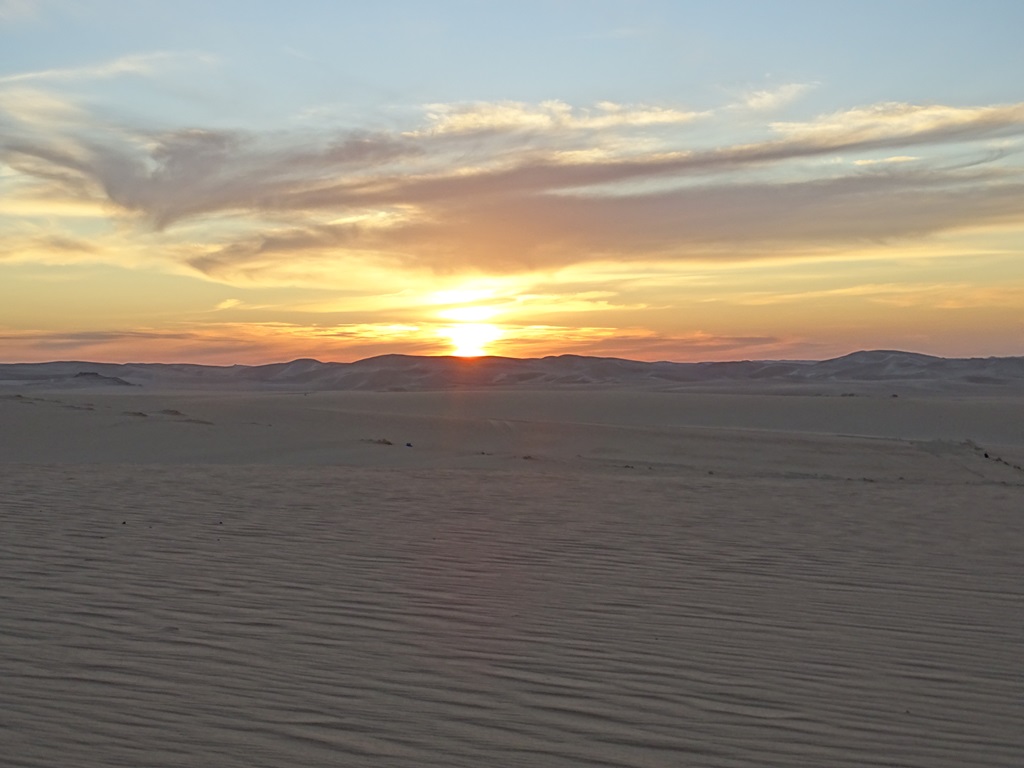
[
  {"x": 474, "y": 314},
  {"x": 471, "y": 339}
]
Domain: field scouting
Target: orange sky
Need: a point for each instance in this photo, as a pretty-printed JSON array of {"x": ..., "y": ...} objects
[{"x": 164, "y": 198}]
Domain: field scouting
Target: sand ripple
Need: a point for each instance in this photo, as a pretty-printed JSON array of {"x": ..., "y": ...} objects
[{"x": 253, "y": 616}]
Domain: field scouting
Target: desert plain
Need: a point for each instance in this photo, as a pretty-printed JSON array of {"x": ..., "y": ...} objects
[{"x": 582, "y": 573}]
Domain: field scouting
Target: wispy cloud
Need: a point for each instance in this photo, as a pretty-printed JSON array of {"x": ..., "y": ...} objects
[
  {"x": 222, "y": 343},
  {"x": 547, "y": 116},
  {"x": 226, "y": 343},
  {"x": 510, "y": 186},
  {"x": 897, "y": 124},
  {"x": 16, "y": 10},
  {"x": 134, "y": 64},
  {"x": 893, "y": 159},
  {"x": 770, "y": 99},
  {"x": 47, "y": 248},
  {"x": 27, "y": 107}
]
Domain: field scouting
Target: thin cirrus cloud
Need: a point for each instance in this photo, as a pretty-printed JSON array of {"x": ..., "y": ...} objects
[
  {"x": 13, "y": 10},
  {"x": 768, "y": 99},
  {"x": 513, "y": 116},
  {"x": 133, "y": 64},
  {"x": 510, "y": 186}
]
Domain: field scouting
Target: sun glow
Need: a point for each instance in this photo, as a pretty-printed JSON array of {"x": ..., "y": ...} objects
[
  {"x": 468, "y": 314},
  {"x": 471, "y": 339}
]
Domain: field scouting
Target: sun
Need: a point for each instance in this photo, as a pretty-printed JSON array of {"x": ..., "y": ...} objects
[{"x": 471, "y": 339}]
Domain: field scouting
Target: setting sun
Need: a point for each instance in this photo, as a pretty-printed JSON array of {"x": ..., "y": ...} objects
[
  {"x": 471, "y": 339},
  {"x": 615, "y": 210}
]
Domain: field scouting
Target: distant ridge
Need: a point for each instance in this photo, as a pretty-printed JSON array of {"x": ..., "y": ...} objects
[{"x": 863, "y": 371}]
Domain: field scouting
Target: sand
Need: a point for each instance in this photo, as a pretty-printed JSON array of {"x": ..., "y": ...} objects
[{"x": 495, "y": 578}]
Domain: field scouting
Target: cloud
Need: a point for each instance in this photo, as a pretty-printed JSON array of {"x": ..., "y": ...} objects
[
  {"x": 509, "y": 233},
  {"x": 513, "y": 187},
  {"x": 132, "y": 64},
  {"x": 894, "y": 159},
  {"x": 227, "y": 343},
  {"x": 767, "y": 100},
  {"x": 16, "y": 10},
  {"x": 221, "y": 343},
  {"x": 122, "y": 346},
  {"x": 26, "y": 107},
  {"x": 897, "y": 124},
  {"x": 45, "y": 247},
  {"x": 479, "y": 117},
  {"x": 172, "y": 176}
]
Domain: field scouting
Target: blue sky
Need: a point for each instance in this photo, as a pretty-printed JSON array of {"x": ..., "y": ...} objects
[
  {"x": 240, "y": 182},
  {"x": 376, "y": 56}
]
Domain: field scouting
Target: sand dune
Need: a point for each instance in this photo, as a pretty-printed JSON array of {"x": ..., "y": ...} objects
[
  {"x": 506, "y": 577},
  {"x": 860, "y": 372}
]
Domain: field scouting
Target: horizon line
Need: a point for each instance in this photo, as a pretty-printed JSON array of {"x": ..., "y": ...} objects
[{"x": 476, "y": 358}]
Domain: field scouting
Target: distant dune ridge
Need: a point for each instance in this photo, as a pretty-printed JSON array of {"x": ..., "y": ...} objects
[
  {"x": 405, "y": 372},
  {"x": 412, "y": 562}
]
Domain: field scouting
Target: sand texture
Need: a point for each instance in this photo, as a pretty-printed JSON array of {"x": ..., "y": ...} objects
[{"x": 544, "y": 578}]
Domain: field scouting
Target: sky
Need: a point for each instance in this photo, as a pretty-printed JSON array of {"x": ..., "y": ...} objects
[{"x": 244, "y": 182}]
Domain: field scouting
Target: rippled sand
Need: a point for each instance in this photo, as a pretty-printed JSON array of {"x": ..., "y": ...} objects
[{"x": 626, "y": 596}]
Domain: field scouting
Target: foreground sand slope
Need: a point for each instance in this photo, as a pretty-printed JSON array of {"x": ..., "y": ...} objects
[
  {"x": 638, "y": 592},
  {"x": 485, "y": 428}
]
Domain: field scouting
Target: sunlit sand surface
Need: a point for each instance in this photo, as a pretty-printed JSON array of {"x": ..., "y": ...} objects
[{"x": 510, "y": 579}]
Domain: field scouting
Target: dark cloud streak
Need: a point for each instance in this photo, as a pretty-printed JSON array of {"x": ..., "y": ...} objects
[
  {"x": 507, "y": 234},
  {"x": 448, "y": 202}
]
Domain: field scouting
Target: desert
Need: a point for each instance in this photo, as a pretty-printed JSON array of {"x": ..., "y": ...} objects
[
  {"x": 535, "y": 384},
  {"x": 601, "y": 571}
]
